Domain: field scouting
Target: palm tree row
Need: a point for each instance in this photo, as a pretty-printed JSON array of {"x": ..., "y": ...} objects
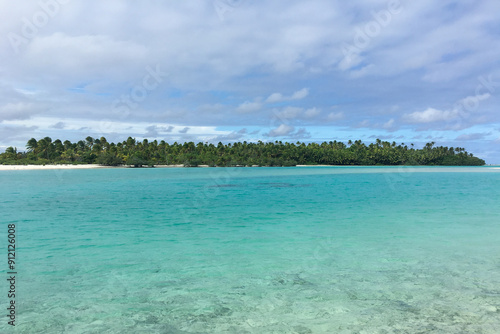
[{"x": 139, "y": 153}]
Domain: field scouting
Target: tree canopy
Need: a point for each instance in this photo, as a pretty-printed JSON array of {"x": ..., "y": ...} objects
[{"x": 139, "y": 153}]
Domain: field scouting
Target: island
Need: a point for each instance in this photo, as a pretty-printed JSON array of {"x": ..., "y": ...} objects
[{"x": 145, "y": 153}]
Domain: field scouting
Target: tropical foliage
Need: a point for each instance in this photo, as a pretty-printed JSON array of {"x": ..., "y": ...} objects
[{"x": 140, "y": 153}]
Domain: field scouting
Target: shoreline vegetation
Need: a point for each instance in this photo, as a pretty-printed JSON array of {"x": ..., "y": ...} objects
[{"x": 132, "y": 153}]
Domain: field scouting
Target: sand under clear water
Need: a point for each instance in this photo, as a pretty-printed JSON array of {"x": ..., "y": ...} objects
[{"x": 255, "y": 250}]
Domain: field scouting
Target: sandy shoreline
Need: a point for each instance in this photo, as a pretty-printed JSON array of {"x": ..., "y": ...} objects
[
  {"x": 66, "y": 166},
  {"x": 91, "y": 166},
  {"x": 42, "y": 167}
]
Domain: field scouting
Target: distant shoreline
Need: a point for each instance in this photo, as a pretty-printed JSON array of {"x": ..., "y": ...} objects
[
  {"x": 45, "y": 167},
  {"x": 96, "y": 166}
]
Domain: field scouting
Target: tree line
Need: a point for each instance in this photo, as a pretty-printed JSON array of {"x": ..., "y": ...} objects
[{"x": 149, "y": 153}]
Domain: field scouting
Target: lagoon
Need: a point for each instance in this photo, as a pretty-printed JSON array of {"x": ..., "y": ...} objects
[{"x": 255, "y": 250}]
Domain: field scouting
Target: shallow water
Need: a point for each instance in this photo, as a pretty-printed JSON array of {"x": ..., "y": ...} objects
[{"x": 255, "y": 250}]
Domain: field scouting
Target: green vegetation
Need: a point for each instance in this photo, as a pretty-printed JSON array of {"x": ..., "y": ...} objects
[{"x": 137, "y": 153}]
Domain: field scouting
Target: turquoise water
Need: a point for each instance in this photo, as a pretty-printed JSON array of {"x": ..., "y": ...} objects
[{"x": 254, "y": 250}]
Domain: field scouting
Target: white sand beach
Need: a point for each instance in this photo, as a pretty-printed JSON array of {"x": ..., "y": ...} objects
[
  {"x": 46, "y": 167},
  {"x": 66, "y": 166},
  {"x": 399, "y": 168}
]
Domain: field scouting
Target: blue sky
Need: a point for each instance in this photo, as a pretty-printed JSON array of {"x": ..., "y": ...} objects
[{"x": 235, "y": 70}]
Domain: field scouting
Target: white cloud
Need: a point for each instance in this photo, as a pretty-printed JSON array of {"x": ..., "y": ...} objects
[
  {"x": 289, "y": 112},
  {"x": 231, "y": 137},
  {"x": 248, "y": 107},
  {"x": 365, "y": 70},
  {"x": 274, "y": 97},
  {"x": 334, "y": 116},
  {"x": 389, "y": 124},
  {"x": 76, "y": 128},
  {"x": 471, "y": 103},
  {"x": 282, "y": 130},
  {"x": 85, "y": 57},
  {"x": 460, "y": 111},
  {"x": 311, "y": 113},
  {"x": 430, "y": 115},
  {"x": 300, "y": 94},
  {"x": 278, "y": 97},
  {"x": 288, "y": 131},
  {"x": 349, "y": 62}
]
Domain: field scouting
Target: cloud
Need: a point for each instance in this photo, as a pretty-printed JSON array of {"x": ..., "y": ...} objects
[
  {"x": 151, "y": 131},
  {"x": 296, "y": 114},
  {"x": 155, "y": 130},
  {"x": 231, "y": 137},
  {"x": 390, "y": 125},
  {"x": 363, "y": 124},
  {"x": 461, "y": 112},
  {"x": 84, "y": 56},
  {"x": 349, "y": 62},
  {"x": 430, "y": 115},
  {"x": 16, "y": 133},
  {"x": 472, "y": 136},
  {"x": 248, "y": 107},
  {"x": 471, "y": 103},
  {"x": 382, "y": 137},
  {"x": 312, "y": 113},
  {"x": 334, "y": 116},
  {"x": 301, "y": 133},
  {"x": 285, "y": 130},
  {"x": 58, "y": 125},
  {"x": 289, "y": 112},
  {"x": 280, "y": 131},
  {"x": 185, "y": 130},
  {"x": 19, "y": 110},
  {"x": 278, "y": 97},
  {"x": 365, "y": 70},
  {"x": 275, "y": 97},
  {"x": 298, "y": 95}
]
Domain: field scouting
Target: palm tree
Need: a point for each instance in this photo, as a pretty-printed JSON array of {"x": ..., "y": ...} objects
[
  {"x": 89, "y": 141},
  {"x": 67, "y": 144},
  {"x": 32, "y": 145},
  {"x": 11, "y": 152},
  {"x": 44, "y": 147}
]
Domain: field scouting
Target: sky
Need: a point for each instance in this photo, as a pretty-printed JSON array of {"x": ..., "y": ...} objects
[{"x": 248, "y": 70}]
